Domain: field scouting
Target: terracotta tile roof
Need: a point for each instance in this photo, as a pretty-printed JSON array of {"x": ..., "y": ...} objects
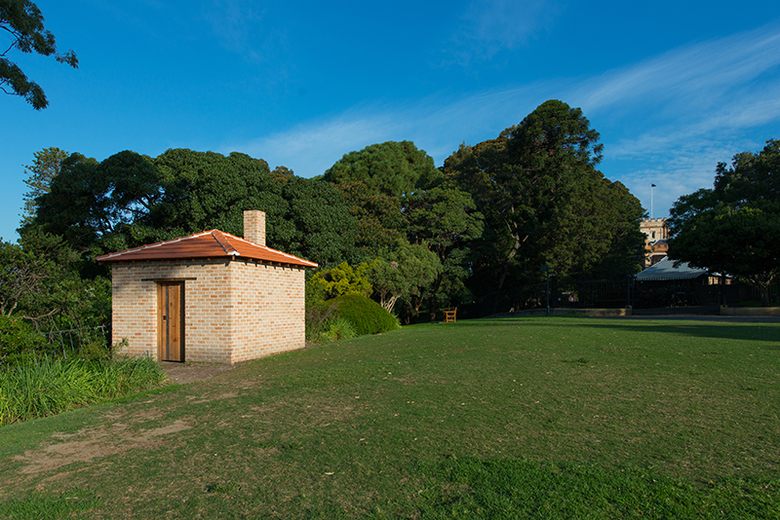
[{"x": 208, "y": 244}]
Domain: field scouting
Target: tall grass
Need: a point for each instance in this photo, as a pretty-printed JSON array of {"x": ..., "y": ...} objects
[{"x": 43, "y": 385}]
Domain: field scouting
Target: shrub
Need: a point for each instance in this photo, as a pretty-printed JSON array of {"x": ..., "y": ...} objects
[
  {"x": 365, "y": 315},
  {"x": 319, "y": 314},
  {"x": 18, "y": 337},
  {"x": 340, "y": 328}
]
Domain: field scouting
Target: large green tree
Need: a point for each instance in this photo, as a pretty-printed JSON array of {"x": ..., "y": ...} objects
[
  {"x": 74, "y": 208},
  {"x": 734, "y": 228},
  {"x": 446, "y": 220},
  {"x": 377, "y": 180},
  {"x": 544, "y": 201},
  {"x": 22, "y": 22},
  {"x": 380, "y": 221},
  {"x": 46, "y": 165},
  {"x": 130, "y": 199},
  {"x": 398, "y": 196},
  {"x": 404, "y": 272},
  {"x": 392, "y": 168}
]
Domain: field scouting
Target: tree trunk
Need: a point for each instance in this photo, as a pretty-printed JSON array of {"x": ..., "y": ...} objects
[
  {"x": 763, "y": 291},
  {"x": 502, "y": 278}
]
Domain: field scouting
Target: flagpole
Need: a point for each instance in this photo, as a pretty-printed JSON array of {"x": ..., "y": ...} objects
[{"x": 651, "y": 200}]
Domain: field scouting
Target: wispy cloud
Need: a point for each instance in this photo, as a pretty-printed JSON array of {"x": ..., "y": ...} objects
[
  {"x": 687, "y": 110},
  {"x": 238, "y": 24},
  {"x": 312, "y": 148},
  {"x": 697, "y": 74},
  {"x": 490, "y": 26},
  {"x": 435, "y": 124}
]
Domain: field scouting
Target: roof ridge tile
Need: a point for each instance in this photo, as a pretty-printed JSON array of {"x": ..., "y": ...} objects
[
  {"x": 213, "y": 243},
  {"x": 224, "y": 242}
]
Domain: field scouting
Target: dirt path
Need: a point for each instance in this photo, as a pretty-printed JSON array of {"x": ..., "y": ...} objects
[{"x": 191, "y": 372}]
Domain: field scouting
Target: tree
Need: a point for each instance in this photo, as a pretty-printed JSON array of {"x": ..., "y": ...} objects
[
  {"x": 379, "y": 217},
  {"x": 378, "y": 182},
  {"x": 129, "y": 199},
  {"x": 445, "y": 218},
  {"x": 46, "y": 166},
  {"x": 23, "y": 22},
  {"x": 75, "y": 206},
  {"x": 392, "y": 168},
  {"x": 404, "y": 272},
  {"x": 340, "y": 280},
  {"x": 544, "y": 201},
  {"x": 734, "y": 228},
  {"x": 39, "y": 283},
  {"x": 316, "y": 223}
]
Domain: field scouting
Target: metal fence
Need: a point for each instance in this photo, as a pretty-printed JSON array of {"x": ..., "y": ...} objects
[
  {"x": 645, "y": 298},
  {"x": 73, "y": 340}
]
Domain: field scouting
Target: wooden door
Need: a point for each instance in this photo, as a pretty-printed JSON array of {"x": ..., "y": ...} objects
[{"x": 170, "y": 319}]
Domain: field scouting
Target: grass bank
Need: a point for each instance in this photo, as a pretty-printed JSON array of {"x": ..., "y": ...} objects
[{"x": 511, "y": 418}]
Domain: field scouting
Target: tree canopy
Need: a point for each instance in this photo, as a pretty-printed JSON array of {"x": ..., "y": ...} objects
[
  {"x": 129, "y": 199},
  {"x": 46, "y": 165},
  {"x": 391, "y": 168},
  {"x": 545, "y": 203},
  {"x": 404, "y": 272},
  {"x": 22, "y": 21},
  {"x": 734, "y": 228},
  {"x": 418, "y": 238}
]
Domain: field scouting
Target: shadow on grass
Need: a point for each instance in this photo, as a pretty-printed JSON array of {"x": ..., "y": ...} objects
[
  {"x": 762, "y": 332},
  {"x": 471, "y": 487}
]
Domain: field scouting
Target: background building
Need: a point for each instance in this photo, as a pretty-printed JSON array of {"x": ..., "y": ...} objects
[{"x": 656, "y": 246}]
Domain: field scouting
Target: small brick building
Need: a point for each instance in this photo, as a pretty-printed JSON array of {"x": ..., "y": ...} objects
[{"x": 209, "y": 297}]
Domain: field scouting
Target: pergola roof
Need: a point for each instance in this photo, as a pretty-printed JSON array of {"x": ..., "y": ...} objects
[
  {"x": 667, "y": 270},
  {"x": 208, "y": 244}
]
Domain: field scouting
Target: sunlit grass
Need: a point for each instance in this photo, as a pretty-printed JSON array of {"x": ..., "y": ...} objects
[{"x": 516, "y": 418}]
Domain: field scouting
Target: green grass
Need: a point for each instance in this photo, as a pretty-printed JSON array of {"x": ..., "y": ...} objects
[{"x": 512, "y": 418}]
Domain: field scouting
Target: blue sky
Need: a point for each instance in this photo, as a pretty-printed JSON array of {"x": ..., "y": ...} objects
[{"x": 673, "y": 87}]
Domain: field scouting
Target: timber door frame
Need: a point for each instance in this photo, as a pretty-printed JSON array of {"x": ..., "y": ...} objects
[{"x": 170, "y": 321}]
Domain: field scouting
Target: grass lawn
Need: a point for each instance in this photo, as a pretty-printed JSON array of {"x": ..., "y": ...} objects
[{"x": 510, "y": 418}]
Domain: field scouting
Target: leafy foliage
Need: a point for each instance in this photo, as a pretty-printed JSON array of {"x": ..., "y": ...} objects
[
  {"x": 445, "y": 219},
  {"x": 316, "y": 223},
  {"x": 734, "y": 228},
  {"x": 39, "y": 281},
  {"x": 18, "y": 337},
  {"x": 404, "y": 272},
  {"x": 379, "y": 219},
  {"x": 129, "y": 200},
  {"x": 23, "y": 22},
  {"x": 545, "y": 203},
  {"x": 46, "y": 166},
  {"x": 392, "y": 168},
  {"x": 340, "y": 280}
]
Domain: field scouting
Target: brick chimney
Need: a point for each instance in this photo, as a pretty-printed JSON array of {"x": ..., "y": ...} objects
[{"x": 254, "y": 226}]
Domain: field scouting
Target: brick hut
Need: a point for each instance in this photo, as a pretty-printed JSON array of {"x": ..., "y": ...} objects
[{"x": 209, "y": 297}]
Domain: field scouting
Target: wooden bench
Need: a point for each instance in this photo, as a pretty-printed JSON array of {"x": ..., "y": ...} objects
[{"x": 450, "y": 316}]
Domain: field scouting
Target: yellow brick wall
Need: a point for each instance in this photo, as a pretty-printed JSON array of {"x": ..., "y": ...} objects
[{"x": 234, "y": 310}]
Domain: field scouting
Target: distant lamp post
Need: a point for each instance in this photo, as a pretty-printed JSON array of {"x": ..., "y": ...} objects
[{"x": 546, "y": 269}]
